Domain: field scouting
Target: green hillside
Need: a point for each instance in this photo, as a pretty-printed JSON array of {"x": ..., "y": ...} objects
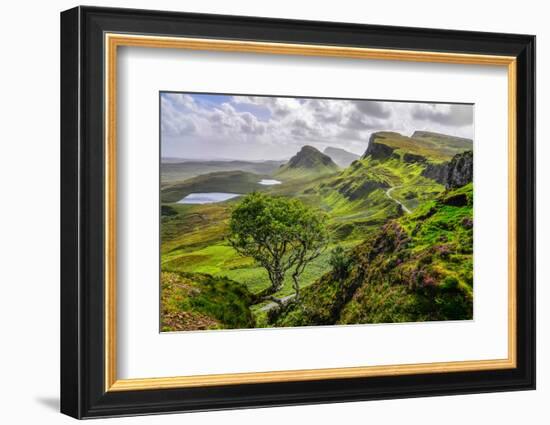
[
  {"x": 199, "y": 302},
  {"x": 415, "y": 268}
]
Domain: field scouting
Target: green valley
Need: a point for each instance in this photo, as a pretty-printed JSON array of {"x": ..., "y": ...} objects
[{"x": 398, "y": 245}]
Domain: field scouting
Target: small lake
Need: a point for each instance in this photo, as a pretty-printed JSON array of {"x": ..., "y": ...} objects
[
  {"x": 207, "y": 198},
  {"x": 269, "y": 182}
]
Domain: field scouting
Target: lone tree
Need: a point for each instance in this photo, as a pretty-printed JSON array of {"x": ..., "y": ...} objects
[{"x": 282, "y": 235}]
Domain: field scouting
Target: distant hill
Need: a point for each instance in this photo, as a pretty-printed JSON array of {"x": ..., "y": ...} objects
[
  {"x": 308, "y": 162},
  {"x": 178, "y": 170},
  {"x": 422, "y": 146},
  {"x": 341, "y": 156},
  {"x": 223, "y": 181}
]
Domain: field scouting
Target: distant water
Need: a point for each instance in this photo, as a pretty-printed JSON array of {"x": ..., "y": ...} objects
[
  {"x": 269, "y": 182},
  {"x": 207, "y": 198}
]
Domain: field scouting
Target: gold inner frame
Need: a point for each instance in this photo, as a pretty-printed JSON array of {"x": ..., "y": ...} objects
[{"x": 113, "y": 41}]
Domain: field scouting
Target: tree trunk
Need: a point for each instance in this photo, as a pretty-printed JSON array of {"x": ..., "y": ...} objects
[
  {"x": 266, "y": 294},
  {"x": 296, "y": 286}
]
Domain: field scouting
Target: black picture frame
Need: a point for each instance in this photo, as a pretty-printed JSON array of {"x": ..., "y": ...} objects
[{"x": 83, "y": 392}]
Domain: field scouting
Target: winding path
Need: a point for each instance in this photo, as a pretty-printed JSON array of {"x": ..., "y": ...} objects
[
  {"x": 274, "y": 304},
  {"x": 388, "y": 194}
]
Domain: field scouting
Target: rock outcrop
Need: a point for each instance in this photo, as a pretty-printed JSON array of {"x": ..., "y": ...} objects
[
  {"x": 437, "y": 172},
  {"x": 455, "y": 173},
  {"x": 460, "y": 170},
  {"x": 362, "y": 189},
  {"x": 411, "y": 157},
  {"x": 377, "y": 150}
]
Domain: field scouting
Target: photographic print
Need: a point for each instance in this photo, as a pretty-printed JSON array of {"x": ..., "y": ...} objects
[{"x": 282, "y": 211}]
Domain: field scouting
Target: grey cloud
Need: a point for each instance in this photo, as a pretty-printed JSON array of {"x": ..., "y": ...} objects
[
  {"x": 253, "y": 128},
  {"x": 350, "y": 134},
  {"x": 250, "y": 124},
  {"x": 372, "y": 108},
  {"x": 328, "y": 118},
  {"x": 280, "y": 112},
  {"x": 451, "y": 115},
  {"x": 301, "y": 129},
  {"x": 300, "y": 123},
  {"x": 323, "y": 112},
  {"x": 358, "y": 121},
  {"x": 248, "y": 117},
  {"x": 299, "y": 132},
  {"x": 216, "y": 117},
  {"x": 272, "y": 103}
]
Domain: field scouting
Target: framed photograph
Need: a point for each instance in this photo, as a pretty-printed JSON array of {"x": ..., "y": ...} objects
[{"x": 261, "y": 212}]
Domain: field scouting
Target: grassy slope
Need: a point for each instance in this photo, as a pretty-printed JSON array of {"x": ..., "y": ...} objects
[
  {"x": 415, "y": 268},
  {"x": 199, "y": 302},
  {"x": 430, "y": 277},
  {"x": 190, "y": 226},
  {"x": 288, "y": 173},
  {"x": 357, "y": 199}
]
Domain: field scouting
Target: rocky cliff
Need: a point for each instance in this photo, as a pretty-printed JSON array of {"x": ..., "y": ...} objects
[
  {"x": 376, "y": 150},
  {"x": 460, "y": 170},
  {"x": 455, "y": 173},
  {"x": 437, "y": 172}
]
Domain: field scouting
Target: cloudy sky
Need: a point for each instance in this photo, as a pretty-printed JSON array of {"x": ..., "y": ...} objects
[{"x": 205, "y": 126}]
